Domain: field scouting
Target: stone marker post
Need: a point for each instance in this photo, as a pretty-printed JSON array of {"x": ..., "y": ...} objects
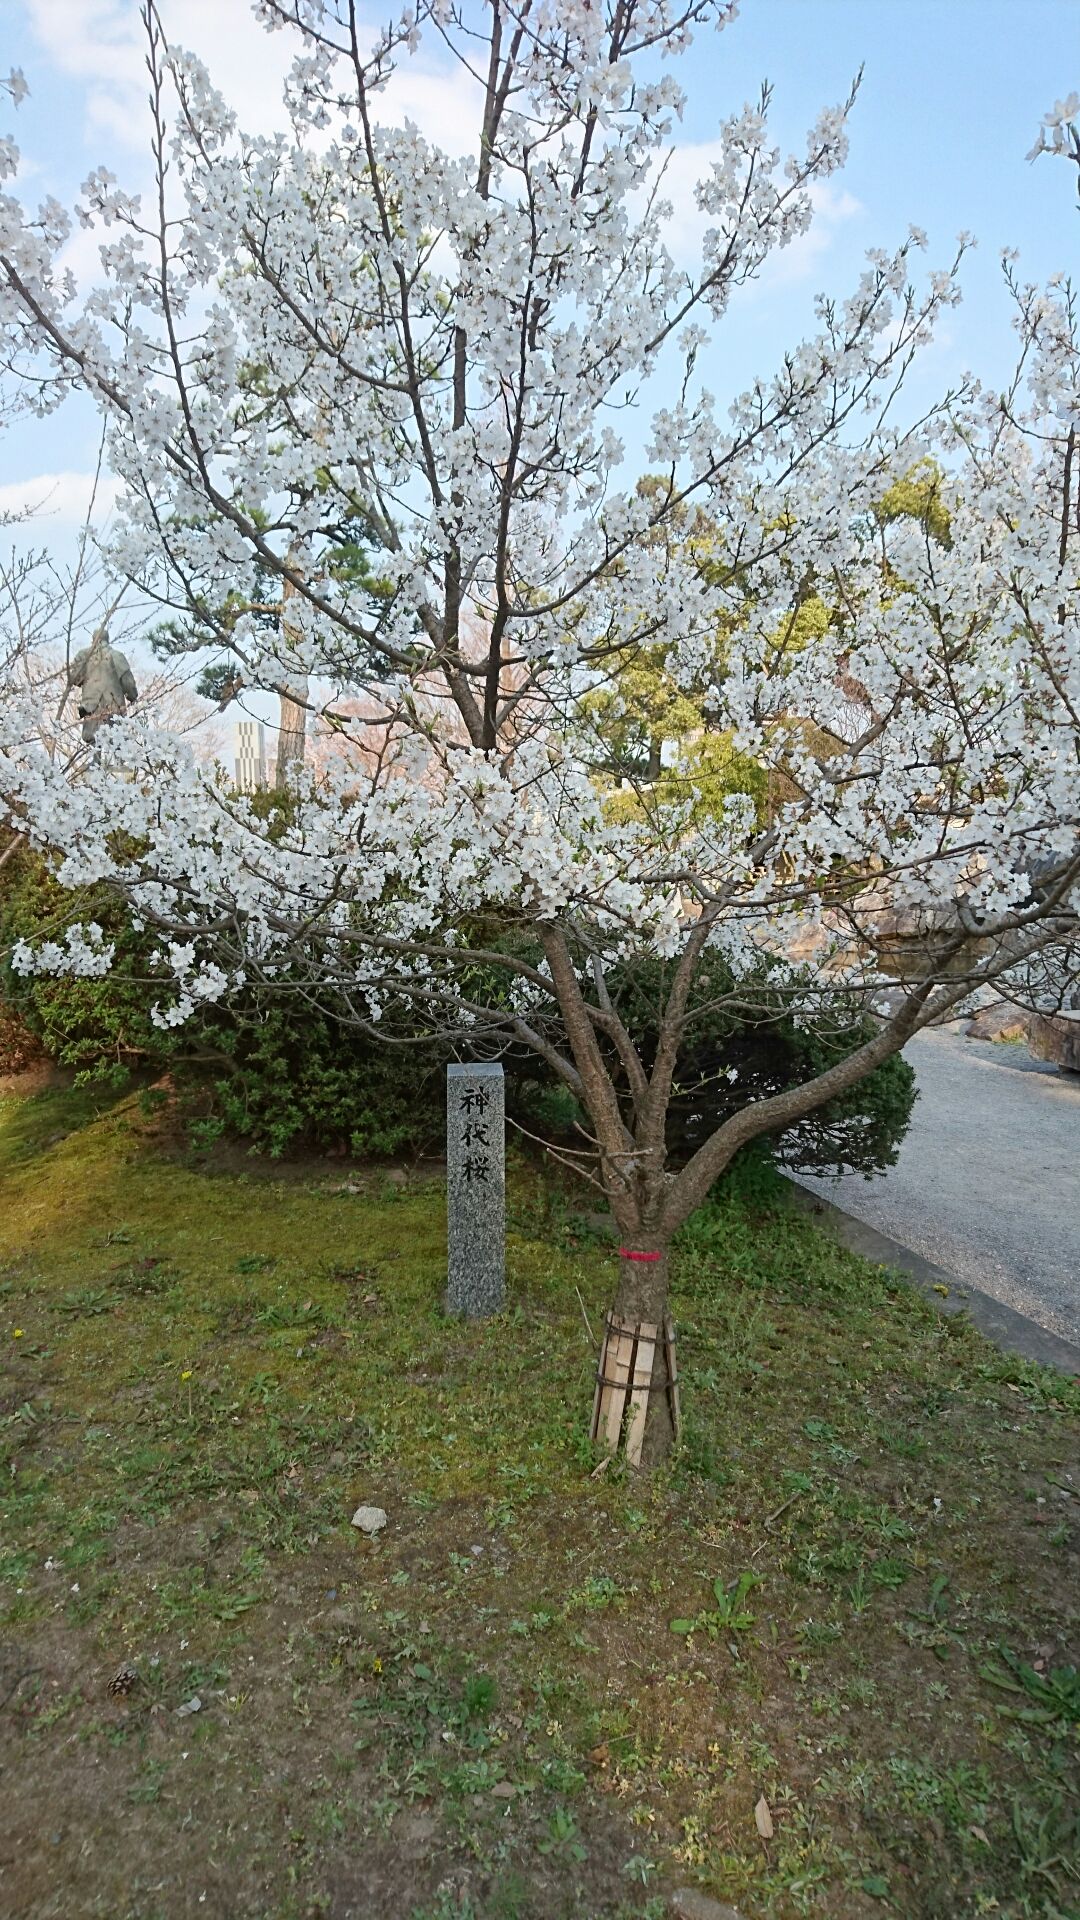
[{"x": 475, "y": 1189}]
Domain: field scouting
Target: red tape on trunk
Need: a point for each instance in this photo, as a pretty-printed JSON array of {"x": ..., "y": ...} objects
[{"x": 627, "y": 1253}]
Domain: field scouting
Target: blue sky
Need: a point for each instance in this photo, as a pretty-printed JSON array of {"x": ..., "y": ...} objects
[{"x": 951, "y": 101}]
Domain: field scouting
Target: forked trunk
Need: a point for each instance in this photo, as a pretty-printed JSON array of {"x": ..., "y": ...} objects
[{"x": 636, "y": 1407}]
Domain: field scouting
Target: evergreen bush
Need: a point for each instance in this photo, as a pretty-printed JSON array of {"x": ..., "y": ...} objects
[{"x": 282, "y": 1073}]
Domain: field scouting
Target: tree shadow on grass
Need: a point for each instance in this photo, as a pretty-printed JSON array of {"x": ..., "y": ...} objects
[{"x": 30, "y": 1128}]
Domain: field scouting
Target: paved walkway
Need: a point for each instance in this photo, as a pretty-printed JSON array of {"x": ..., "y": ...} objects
[{"x": 987, "y": 1185}]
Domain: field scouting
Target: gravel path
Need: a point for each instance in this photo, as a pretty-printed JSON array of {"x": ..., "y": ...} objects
[{"x": 988, "y": 1180}]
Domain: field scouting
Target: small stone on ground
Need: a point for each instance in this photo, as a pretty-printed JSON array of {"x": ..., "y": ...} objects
[
  {"x": 369, "y": 1519},
  {"x": 688, "y": 1904}
]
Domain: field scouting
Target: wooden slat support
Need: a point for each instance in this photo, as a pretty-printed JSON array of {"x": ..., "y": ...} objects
[
  {"x": 672, "y": 1377},
  {"x": 605, "y": 1382},
  {"x": 599, "y": 1408},
  {"x": 624, "y": 1381},
  {"x": 644, "y": 1354},
  {"x": 612, "y": 1380},
  {"x": 620, "y": 1362}
]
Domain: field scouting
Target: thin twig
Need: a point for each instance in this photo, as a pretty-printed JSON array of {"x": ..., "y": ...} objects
[
  {"x": 568, "y": 1156},
  {"x": 579, "y": 1153},
  {"x": 11, "y": 848},
  {"x": 782, "y": 1508},
  {"x": 797, "y": 1495}
]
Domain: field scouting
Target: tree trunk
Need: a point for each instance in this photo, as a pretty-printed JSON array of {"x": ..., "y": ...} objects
[
  {"x": 292, "y": 733},
  {"x": 292, "y": 721},
  {"x": 636, "y": 1408}
]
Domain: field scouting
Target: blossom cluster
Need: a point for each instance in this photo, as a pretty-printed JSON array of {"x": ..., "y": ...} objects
[{"x": 347, "y": 334}]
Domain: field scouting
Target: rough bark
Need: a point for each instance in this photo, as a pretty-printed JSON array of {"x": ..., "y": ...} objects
[
  {"x": 641, "y": 1297},
  {"x": 292, "y": 733},
  {"x": 292, "y": 723}
]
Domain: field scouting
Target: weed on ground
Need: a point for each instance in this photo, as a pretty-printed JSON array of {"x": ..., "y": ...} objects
[{"x": 824, "y": 1663}]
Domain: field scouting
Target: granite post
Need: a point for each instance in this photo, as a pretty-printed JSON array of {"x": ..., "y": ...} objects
[{"x": 475, "y": 1189}]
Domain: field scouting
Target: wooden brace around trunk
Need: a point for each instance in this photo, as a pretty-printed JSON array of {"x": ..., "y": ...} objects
[{"x": 624, "y": 1380}]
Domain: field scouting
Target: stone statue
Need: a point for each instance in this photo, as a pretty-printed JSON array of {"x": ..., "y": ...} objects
[{"x": 105, "y": 681}]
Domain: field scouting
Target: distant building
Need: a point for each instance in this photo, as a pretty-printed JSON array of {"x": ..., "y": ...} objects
[{"x": 250, "y": 756}]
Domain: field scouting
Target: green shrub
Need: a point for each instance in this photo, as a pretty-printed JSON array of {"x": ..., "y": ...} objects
[
  {"x": 274, "y": 1069},
  {"x": 270, "y": 1069},
  {"x": 282, "y": 1074},
  {"x": 100, "y": 1028},
  {"x": 769, "y": 1044}
]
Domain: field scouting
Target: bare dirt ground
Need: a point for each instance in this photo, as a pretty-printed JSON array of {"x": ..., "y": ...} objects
[{"x": 219, "y": 1699}]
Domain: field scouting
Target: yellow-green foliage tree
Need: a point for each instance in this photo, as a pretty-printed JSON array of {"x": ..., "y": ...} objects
[{"x": 651, "y": 740}]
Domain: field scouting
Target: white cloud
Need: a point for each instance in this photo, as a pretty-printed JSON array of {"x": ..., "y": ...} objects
[
  {"x": 81, "y": 254},
  {"x": 60, "y": 499},
  {"x": 91, "y": 40},
  {"x": 687, "y": 225},
  {"x": 445, "y": 105},
  {"x": 102, "y": 43},
  {"x": 832, "y": 205}
]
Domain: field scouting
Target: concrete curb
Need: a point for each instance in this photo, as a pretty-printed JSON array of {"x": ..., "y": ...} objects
[{"x": 1003, "y": 1325}]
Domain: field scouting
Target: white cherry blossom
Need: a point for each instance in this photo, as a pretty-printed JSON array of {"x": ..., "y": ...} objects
[{"x": 346, "y": 336}]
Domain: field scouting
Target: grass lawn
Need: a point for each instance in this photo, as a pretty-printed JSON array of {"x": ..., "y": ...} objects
[{"x": 873, "y": 1531}]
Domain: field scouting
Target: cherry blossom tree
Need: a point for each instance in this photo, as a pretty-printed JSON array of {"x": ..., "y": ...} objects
[
  {"x": 343, "y": 327},
  {"x": 48, "y": 607}
]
